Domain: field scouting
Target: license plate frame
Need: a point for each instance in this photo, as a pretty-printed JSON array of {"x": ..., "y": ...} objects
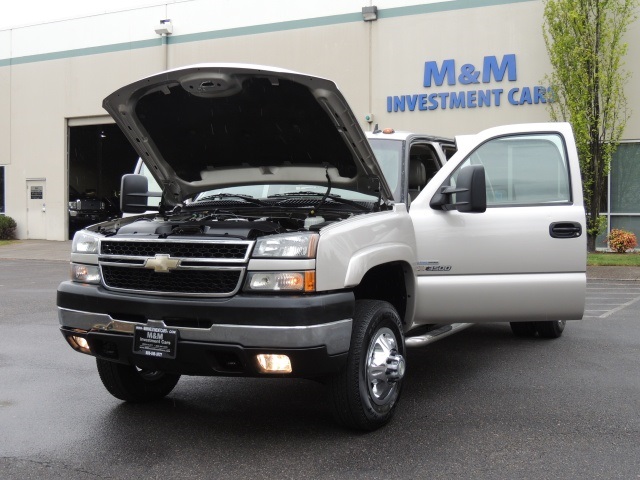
[{"x": 155, "y": 342}]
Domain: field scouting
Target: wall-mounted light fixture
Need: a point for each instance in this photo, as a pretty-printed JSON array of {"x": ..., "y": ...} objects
[
  {"x": 369, "y": 14},
  {"x": 165, "y": 28}
]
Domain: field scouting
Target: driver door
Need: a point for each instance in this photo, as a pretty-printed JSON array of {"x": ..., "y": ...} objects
[{"x": 524, "y": 258}]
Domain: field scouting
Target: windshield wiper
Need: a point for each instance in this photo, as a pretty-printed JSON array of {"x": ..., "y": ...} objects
[
  {"x": 335, "y": 198},
  {"x": 303, "y": 193},
  {"x": 246, "y": 198}
]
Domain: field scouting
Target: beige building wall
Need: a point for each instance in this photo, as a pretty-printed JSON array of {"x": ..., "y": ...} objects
[
  {"x": 5, "y": 99},
  {"x": 337, "y": 52},
  {"x": 41, "y": 93},
  {"x": 44, "y": 96},
  {"x": 402, "y": 45}
]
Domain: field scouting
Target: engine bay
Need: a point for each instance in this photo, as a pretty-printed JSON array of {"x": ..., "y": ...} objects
[{"x": 245, "y": 226}]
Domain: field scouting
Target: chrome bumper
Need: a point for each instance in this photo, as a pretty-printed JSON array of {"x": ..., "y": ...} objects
[{"x": 336, "y": 336}]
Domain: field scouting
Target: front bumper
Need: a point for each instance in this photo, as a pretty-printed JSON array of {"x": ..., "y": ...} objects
[{"x": 216, "y": 336}]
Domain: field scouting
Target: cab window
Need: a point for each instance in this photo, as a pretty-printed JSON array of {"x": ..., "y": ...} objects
[{"x": 523, "y": 170}]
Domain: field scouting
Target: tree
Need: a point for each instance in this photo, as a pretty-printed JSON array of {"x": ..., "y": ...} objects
[{"x": 584, "y": 40}]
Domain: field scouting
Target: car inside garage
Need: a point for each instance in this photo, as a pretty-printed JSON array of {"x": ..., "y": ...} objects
[{"x": 98, "y": 157}]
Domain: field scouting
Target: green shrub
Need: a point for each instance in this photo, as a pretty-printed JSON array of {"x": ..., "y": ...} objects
[
  {"x": 620, "y": 240},
  {"x": 7, "y": 227}
]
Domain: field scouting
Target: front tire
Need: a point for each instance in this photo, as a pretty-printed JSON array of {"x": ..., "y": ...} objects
[
  {"x": 365, "y": 393},
  {"x": 131, "y": 384}
]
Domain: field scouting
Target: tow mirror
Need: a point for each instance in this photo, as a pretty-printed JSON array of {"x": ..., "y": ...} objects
[
  {"x": 134, "y": 193},
  {"x": 470, "y": 192}
]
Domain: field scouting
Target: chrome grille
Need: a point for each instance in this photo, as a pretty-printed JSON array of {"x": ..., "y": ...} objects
[
  {"x": 222, "y": 251},
  {"x": 186, "y": 281},
  {"x": 176, "y": 267}
]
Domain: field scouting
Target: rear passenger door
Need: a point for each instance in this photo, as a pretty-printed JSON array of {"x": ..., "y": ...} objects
[{"x": 524, "y": 257}]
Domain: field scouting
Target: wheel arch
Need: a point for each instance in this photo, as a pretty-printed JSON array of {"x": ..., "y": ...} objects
[{"x": 392, "y": 282}]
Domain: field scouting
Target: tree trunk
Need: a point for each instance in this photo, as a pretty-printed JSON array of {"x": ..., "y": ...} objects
[{"x": 591, "y": 243}]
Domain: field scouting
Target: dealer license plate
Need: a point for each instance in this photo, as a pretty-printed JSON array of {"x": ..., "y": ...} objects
[{"x": 155, "y": 342}]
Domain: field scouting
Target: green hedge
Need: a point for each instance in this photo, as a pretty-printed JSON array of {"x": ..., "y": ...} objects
[{"x": 7, "y": 228}]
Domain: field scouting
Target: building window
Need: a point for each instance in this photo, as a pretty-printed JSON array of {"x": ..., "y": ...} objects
[
  {"x": 624, "y": 197},
  {"x": 1, "y": 189}
]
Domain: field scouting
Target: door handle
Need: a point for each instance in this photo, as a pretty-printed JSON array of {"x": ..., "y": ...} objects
[{"x": 565, "y": 229}]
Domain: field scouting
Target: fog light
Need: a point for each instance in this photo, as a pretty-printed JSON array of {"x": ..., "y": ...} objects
[
  {"x": 270, "y": 363},
  {"x": 79, "y": 343}
]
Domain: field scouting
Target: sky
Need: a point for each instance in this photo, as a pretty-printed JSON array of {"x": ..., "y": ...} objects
[{"x": 16, "y": 13}]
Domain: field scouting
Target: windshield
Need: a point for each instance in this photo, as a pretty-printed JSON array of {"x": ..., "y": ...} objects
[
  {"x": 262, "y": 190},
  {"x": 389, "y": 156}
]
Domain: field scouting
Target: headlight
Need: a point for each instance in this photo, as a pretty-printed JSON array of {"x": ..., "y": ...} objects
[
  {"x": 73, "y": 205},
  {"x": 85, "y": 273},
  {"x": 84, "y": 242},
  {"x": 281, "y": 281},
  {"x": 296, "y": 245}
]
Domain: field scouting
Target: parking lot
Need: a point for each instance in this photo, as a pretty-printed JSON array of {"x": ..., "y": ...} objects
[
  {"x": 480, "y": 404},
  {"x": 606, "y": 297}
]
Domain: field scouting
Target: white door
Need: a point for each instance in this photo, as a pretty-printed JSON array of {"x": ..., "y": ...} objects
[
  {"x": 36, "y": 209},
  {"x": 524, "y": 258}
]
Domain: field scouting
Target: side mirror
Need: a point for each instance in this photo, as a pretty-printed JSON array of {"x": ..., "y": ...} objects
[
  {"x": 134, "y": 193},
  {"x": 470, "y": 191}
]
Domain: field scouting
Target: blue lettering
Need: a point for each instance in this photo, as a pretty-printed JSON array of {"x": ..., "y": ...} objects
[
  {"x": 431, "y": 72},
  {"x": 457, "y": 100},
  {"x": 538, "y": 95},
  {"x": 398, "y": 104},
  {"x": 443, "y": 99},
  {"x": 511, "y": 96},
  {"x": 411, "y": 102},
  {"x": 484, "y": 98},
  {"x": 389, "y": 104},
  {"x": 497, "y": 93},
  {"x": 526, "y": 96},
  {"x": 491, "y": 67},
  {"x": 433, "y": 101},
  {"x": 468, "y": 74},
  {"x": 551, "y": 96},
  {"x": 471, "y": 99},
  {"x": 423, "y": 102}
]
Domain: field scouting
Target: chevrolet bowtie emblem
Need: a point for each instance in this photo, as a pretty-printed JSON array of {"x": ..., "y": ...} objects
[{"x": 161, "y": 263}]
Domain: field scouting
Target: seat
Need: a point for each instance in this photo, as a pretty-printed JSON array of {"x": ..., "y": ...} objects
[{"x": 417, "y": 178}]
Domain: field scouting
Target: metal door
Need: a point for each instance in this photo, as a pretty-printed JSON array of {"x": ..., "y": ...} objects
[
  {"x": 36, "y": 209},
  {"x": 522, "y": 259}
]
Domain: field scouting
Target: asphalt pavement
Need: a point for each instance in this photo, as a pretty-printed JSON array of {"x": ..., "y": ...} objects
[{"x": 481, "y": 404}]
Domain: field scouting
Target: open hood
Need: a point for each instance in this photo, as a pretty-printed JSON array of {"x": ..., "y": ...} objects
[{"x": 215, "y": 125}]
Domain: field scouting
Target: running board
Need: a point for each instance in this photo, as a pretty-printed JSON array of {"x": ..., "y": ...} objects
[{"x": 437, "y": 334}]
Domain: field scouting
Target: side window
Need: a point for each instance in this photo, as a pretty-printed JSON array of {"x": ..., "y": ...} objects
[{"x": 523, "y": 170}]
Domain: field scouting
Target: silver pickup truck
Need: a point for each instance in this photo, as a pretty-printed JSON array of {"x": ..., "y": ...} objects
[{"x": 283, "y": 246}]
